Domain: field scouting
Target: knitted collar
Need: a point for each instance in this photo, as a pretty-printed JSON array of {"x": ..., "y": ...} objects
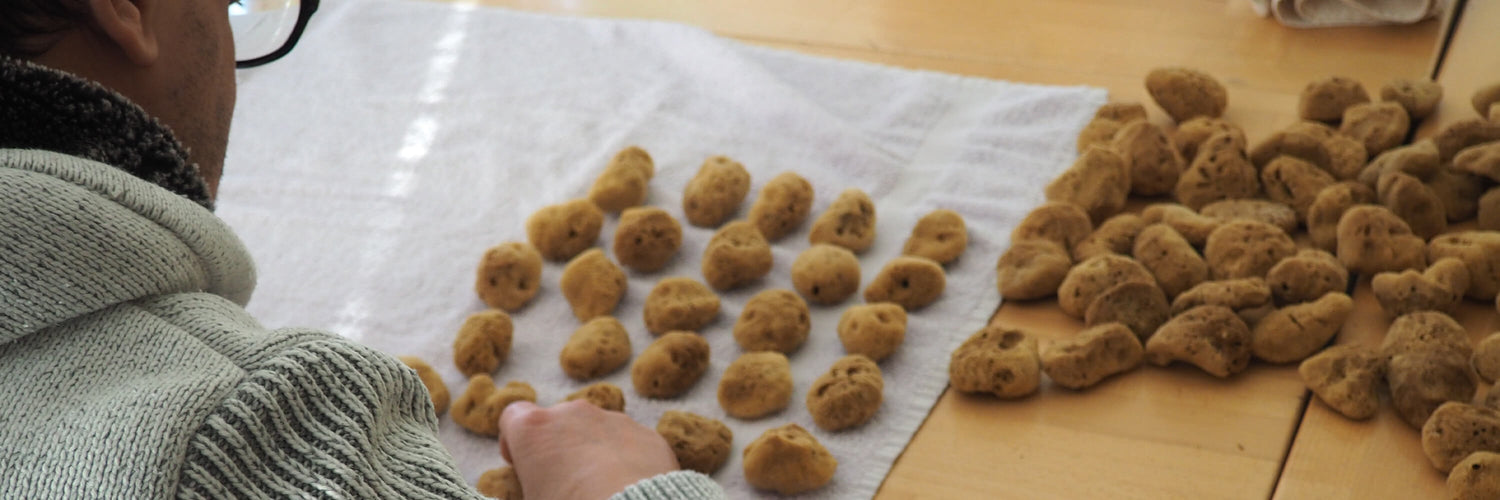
[
  {"x": 46, "y": 109},
  {"x": 77, "y": 236}
]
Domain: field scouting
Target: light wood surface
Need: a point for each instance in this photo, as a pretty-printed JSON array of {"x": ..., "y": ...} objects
[
  {"x": 1336, "y": 458},
  {"x": 1153, "y": 433},
  {"x": 1333, "y": 457},
  {"x": 1471, "y": 62},
  {"x": 1104, "y": 43},
  {"x": 1171, "y": 432}
]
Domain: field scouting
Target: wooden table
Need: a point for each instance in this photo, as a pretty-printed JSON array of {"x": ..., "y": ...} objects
[
  {"x": 1154, "y": 433},
  {"x": 1332, "y": 457}
]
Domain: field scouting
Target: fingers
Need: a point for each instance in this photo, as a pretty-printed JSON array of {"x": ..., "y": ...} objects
[
  {"x": 505, "y": 450},
  {"x": 524, "y": 420},
  {"x": 511, "y": 418},
  {"x": 577, "y": 407},
  {"x": 575, "y": 449},
  {"x": 515, "y": 412}
]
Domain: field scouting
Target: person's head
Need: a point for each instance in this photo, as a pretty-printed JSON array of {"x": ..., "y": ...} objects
[{"x": 175, "y": 58}]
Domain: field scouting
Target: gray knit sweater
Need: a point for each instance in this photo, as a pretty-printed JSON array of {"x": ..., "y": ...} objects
[{"x": 129, "y": 369}]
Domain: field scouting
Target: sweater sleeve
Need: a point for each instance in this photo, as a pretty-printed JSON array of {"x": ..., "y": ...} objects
[
  {"x": 679, "y": 485},
  {"x": 325, "y": 418}
]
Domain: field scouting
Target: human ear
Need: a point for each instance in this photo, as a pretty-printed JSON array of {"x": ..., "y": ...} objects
[{"x": 124, "y": 23}]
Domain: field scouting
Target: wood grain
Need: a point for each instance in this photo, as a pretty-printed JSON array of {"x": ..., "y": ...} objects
[
  {"x": 1172, "y": 432},
  {"x": 1470, "y": 63},
  {"x": 1104, "y": 43},
  {"x": 1333, "y": 457},
  {"x": 1337, "y": 458},
  {"x": 1155, "y": 432}
]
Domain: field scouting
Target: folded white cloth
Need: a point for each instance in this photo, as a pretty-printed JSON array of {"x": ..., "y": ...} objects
[
  {"x": 1330, "y": 13},
  {"x": 370, "y": 169}
]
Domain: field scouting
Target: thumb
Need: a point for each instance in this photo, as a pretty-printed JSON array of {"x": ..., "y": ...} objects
[{"x": 511, "y": 418}]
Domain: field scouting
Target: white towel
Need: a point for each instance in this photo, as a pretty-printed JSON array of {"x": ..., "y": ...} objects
[
  {"x": 1332, "y": 13},
  {"x": 370, "y": 169}
]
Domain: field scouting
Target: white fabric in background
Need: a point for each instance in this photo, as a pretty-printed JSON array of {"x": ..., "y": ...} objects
[
  {"x": 1333, "y": 13},
  {"x": 370, "y": 169}
]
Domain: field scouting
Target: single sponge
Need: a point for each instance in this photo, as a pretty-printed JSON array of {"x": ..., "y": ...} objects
[
  {"x": 483, "y": 342},
  {"x": 826, "y": 274},
  {"x": 773, "y": 320},
  {"x": 1096, "y": 353},
  {"x": 564, "y": 230},
  {"x": 737, "y": 255},
  {"x": 647, "y": 238},
  {"x": 509, "y": 275},
  {"x": 1186, "y": 93},
  {"x": 622, "y": 184},
  {"x": 679, "y": 304},
  {"x": 602, "y": 394},
  {"x": 500, "y": 483},
  {"x": 756, "y": 384},
  {"x": 716, "y": 192},
  {"x": 940, "y": 235},
  {"x": 592, "y": 284},
  {"x": 596, "y": 349},
  {"x": 849, "y": 222},
  {"x": 670, "y": 365},
  {"x": 848, "y": 395},
  {"x": 701, "y": 444},
  {"x": 478, "y": 409},
  {"x": 788, "y": 460},
  {"x": 872, "y": 330},
  {"x": 783, "y": 205},
  {"x": 996, "y": 360},
  {"x": 912, "y": 282}
]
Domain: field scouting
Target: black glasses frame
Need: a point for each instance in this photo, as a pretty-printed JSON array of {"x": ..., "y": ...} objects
[{"x": 304, "y": 13}]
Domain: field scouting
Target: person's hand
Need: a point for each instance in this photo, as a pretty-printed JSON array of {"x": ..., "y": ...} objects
[{"x": 576, "y": 450}]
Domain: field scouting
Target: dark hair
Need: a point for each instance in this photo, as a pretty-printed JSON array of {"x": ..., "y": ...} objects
[{"x": 27, "y": 26}]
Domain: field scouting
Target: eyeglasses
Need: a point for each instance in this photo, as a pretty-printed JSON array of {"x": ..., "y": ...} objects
[{"x": 266, "y": 30}]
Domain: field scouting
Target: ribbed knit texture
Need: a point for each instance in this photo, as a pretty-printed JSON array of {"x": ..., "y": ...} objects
[
  {"x": 122, "y": 378},
  {"x": 129, "y": 368},
  {"x": 681, "y": 485},
  {"x": 326, "y": 418},
  {"x": 78, "y": 235}
]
